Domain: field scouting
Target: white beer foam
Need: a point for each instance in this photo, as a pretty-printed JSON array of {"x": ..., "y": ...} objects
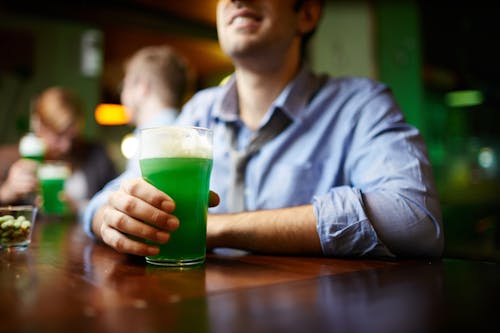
[
  {"x": 53, "y": 171},
  {"x": 174, "y": 141},
  {"x": 30, "y": 144}
]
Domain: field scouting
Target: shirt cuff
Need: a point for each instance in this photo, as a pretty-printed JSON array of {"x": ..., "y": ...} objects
[
  {"x": 343, "y": 226},
  {"x": 95, "y": 203}
]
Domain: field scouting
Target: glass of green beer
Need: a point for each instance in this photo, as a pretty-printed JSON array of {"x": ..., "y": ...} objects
[
  {"x": 178, "y": 161},
  {"x": 32, "y": 147},
  {"x": 52, "y": 176}
]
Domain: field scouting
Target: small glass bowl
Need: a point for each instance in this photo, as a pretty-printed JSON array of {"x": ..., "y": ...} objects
[{"x": 16, "y": 225}]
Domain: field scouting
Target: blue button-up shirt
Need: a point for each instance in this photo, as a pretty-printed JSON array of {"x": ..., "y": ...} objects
[{"x": 348, "y": 152}]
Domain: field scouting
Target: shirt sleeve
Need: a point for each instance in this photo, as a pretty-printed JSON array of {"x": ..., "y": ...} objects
[
  {"x": 343, "y": 226},
  {"x": 390, "y": 207}
]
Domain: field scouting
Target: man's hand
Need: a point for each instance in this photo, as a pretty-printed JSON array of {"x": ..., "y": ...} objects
[{"x": 138, "y": 211}]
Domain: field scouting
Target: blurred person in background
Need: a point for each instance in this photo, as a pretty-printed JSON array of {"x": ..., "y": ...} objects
[
  {"x": 155, "y": 84},
  {"x": 57, "y": 119}
]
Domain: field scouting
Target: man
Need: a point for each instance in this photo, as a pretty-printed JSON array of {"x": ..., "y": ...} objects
[
  {"x": 154, "y": 86},
  {"x": 316, "y": 165}
]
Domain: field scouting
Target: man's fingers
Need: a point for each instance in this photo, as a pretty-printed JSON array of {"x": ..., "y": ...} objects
[
  {"x": 213, "y": 199},
  {"x": 137, "y": 213},
  {"x": 131, "y": 226},
  {"x": 148, "y": 193},
  {"x": 123, "y": 244},
  {"x": 143, "y": 211}
]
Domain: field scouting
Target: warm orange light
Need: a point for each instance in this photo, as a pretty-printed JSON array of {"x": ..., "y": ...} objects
[{"x": 111, "y": 114}]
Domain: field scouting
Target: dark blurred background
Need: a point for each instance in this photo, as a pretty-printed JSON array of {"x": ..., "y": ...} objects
[{"x": 439, "y": 57}]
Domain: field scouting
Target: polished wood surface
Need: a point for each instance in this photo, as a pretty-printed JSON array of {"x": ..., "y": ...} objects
[{"x": 64, "y": 282}]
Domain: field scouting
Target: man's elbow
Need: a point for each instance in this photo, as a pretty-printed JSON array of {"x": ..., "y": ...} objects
[
  {"x": 411, "y": 229},
  {"x": 424, "y": 239}
]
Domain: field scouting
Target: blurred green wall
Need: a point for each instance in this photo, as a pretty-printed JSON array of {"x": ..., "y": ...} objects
[
  {"x": 380, "y": 40},
  {"x": 56, "y": 60}
]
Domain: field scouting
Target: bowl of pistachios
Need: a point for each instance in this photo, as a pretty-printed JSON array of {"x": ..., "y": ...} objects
[{"x": 16, "y": 225}]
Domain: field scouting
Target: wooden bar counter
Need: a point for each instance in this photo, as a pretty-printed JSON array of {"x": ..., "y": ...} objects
[{"x": 64, "y": 282}]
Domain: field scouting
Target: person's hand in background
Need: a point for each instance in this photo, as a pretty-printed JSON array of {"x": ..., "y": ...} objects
[{"x": 21, "y": 181}]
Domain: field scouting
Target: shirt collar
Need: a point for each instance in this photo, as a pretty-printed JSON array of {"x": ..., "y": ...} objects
[
  {"x": 226, "y": 108},
  {"x": 291, "y": 101}
]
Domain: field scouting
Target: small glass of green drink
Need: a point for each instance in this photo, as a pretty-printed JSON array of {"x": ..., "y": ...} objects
[
  {"x": 52, "y": 176},
  {"x": 178, "y": 161},
  {"x": 32, "y": 147}
]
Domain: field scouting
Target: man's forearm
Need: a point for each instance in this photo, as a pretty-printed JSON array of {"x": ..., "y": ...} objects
[{"x": 281, "y": 231}]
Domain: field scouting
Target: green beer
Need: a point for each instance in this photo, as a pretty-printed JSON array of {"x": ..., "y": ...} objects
[
  {"x": 186, "y": 180},
  {"x": 52, "y": 177},
  {"x": 180, "y": 167},
  {"x": 38, "y": 158}
]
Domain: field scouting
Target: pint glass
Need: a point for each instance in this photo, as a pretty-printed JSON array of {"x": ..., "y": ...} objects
[
  {"x": 52, "y": 176},
  {"x": 32, "y": 147},
  {"x": 178, "y": 161}
]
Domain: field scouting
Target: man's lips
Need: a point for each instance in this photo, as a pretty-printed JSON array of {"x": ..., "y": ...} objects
[{"x": 244, "y": 17}]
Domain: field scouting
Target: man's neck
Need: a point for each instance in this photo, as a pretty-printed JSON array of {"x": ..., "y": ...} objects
[{"x": 257, "y": 89}]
